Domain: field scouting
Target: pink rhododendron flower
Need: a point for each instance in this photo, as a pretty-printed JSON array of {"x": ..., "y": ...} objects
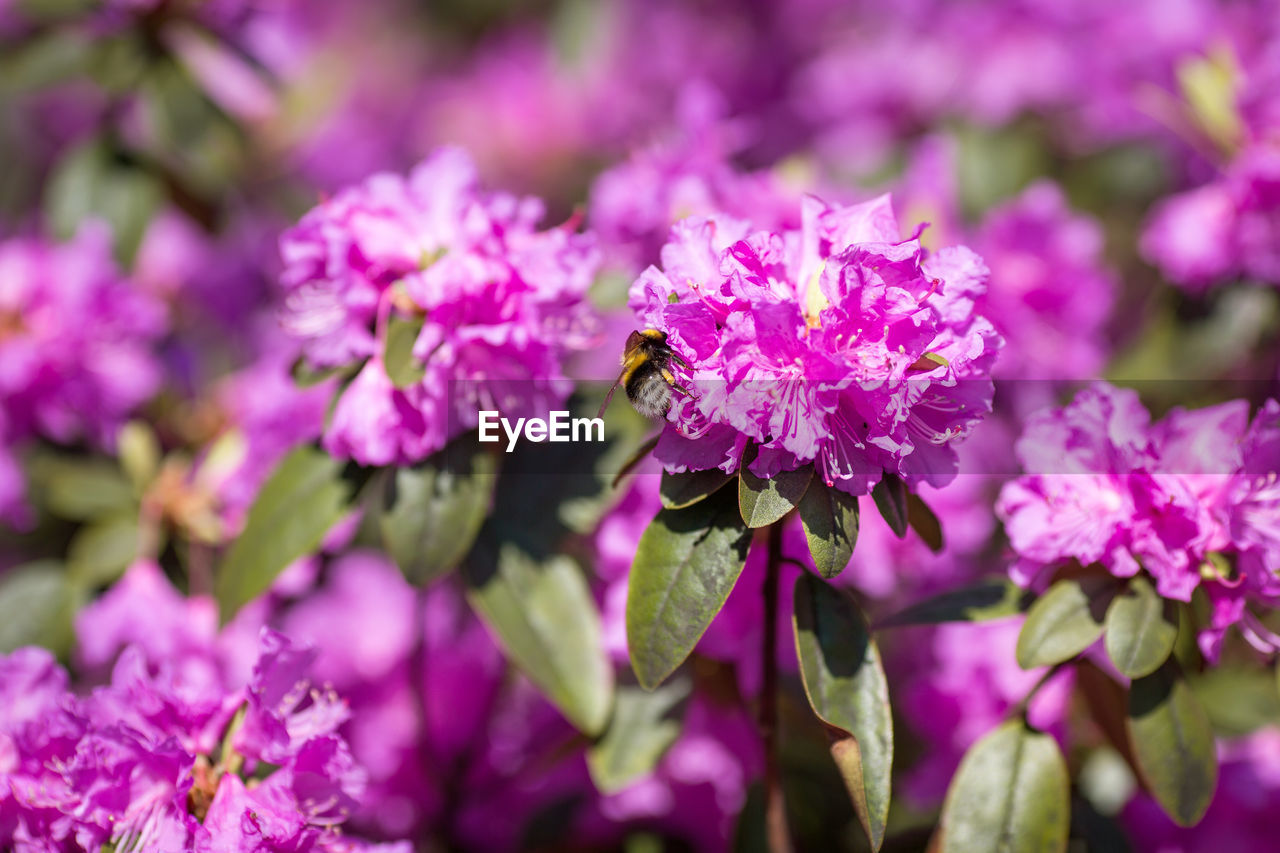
[
  {"x": 125, "y": 764},
  {"x": 1190, "y": 500},
  {"x": 961, "y": 681},
  {"x": 77, "y": 340},
  {"x": 500, "y": 304},
  {"x": 1226, "y": 229},
  {"x": 838, "y": 343}
]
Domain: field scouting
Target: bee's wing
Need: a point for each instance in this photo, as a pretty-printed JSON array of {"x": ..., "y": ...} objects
[{"x": 609, "y": 396}]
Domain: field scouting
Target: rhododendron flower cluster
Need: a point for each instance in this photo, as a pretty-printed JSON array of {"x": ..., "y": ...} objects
[
  {"x": 839, "y": 343},
  {"x": 500, "y": 304},
  {"x": 1191, "y": 500},
  {"x": 1227, "y": 228},
  {"x": 77, "y": 341},
  {"x": 148, "y": 763}
]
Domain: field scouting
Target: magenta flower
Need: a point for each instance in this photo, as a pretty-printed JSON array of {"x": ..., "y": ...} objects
[
  {"x": 77, "y": 340},
  {"x": 960, "y": 681},
  {"x": 1229, "y": 228},
  {"x": 839, "y": 343},
  {"x": 1191, "y": 500},
  {"x": 501, "y": 303},
  {"x": 1046, "y": 265},
  {"x": 133, "y": 762},
  {"x": 634, "y": 204}
]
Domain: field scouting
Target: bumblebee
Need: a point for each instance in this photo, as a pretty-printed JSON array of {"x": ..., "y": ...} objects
[{"x": 646, "y": 374}]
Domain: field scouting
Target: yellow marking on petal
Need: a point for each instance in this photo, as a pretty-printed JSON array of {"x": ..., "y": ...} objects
[{"x": 814, "y": 299}]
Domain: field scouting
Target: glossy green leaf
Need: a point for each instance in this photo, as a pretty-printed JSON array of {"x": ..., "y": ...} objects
[
  {"x": 1060, "y": 624},
  {"x": 46, "y": 59},
  {"x": 436, "y": 509},
  {"x": 1238, "y": 701},
  {"x": 996, "y": 598},
  {"x": 402, "y": 368},
  {"x": 100, "y": 552},
  {"x": 37, "y": 606},
  {"x": 306, "y": 376},
  {"x": 1141, "y": 629},
  {"x": 1011, "y": 794},
  {"x": 926, "y": 525},
  {"x": 890, "y": 495},
  {"x": 547, "y": 622},
  {"x": 762, "y": 502},
  {"x": 643, "y": 726},
  {"x": 686, "y": 489},
  {"x": 844, "y": 681},
  {"x": 830, "y": 520},
  {"x": 91, "y": 183},
  {"x": 296, "y": 506},
  {"x": 685, "y": 567},
  {"x": 80, "y": 489},
  {"x": 1172, "y": 745}
]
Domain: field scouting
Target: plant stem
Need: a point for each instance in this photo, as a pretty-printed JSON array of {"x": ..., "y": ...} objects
[{"x": 775, "y": 811}]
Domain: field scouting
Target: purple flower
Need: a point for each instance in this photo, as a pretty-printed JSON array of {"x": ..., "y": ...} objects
[
  {"x": 961, "y": 680},
  {"x": 1190, "y": 500},
  {"x": 838, "y": 343},
  {"x": 76, "y": 340},
  {"x": 1046, "y": 266},
  {"x": 1226, "y": 229},
  {"x": 501, "y": 304},
  {"x": 634, "y": 204},
  {"x": 136, "y": 762}
]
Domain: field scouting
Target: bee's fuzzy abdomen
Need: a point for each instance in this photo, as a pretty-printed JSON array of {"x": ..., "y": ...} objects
[{"x": 649, "y": 393}]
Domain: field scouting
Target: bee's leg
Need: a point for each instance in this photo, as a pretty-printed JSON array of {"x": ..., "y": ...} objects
[
  {"x": 675, "y": 386},
  {"x": 678, "y": 357}
]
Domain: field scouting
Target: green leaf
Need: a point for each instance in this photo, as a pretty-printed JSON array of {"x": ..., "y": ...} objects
[
  {"x": 81, "y": 489},
  {"x": 1062, "y": 623},
  {"x": 402, "y": 368},
  {"x": 845, "y": 683},
  {"x": 926, "y": 525},
  {"x": 138, "y": 449},
  {"x": 830, "y": 520},
  {"x": 1210, "y": 84},
  {"x": 681, "y": 490},
  {"x": 762, "y": 501},
  {"x": 101, "y": 551},
  {"x": 296, "y": 506},
  {"x": 546, "y": 620},
  {"x": 91, "y": 183},
  {"x": 1238, "y": 701},
  {"x": 1172, "y": 745},
  {"x": 36, "y": 607},
  {"x": 1141, "y": 629},
  {"x": 996, "y": 598},
  {"x": 890, "y": 495},
  {"x": 685, "y": 566},
  {"x": 1011, "y": 794},
  {"x": 44, "y": 60},
  {"x": 306, "y": 376},
  {"x": 437, "y": 508},
  {"x": 643, "y": 727}
]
